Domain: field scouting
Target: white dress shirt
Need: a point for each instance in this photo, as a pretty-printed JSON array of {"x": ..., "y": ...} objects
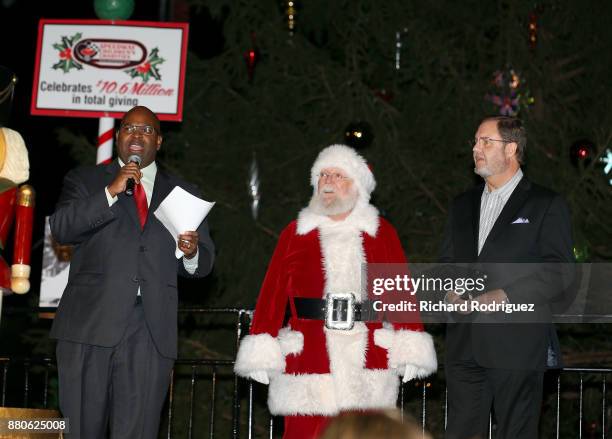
[{"x": 491, "y": 205}]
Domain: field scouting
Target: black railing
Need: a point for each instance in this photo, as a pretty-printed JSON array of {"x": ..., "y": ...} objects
[
  {"x": 26, "y": 364},
  {"x": 575, "y": 403}
]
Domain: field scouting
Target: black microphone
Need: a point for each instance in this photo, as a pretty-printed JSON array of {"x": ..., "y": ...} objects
[{"x": 129, "y": 187}]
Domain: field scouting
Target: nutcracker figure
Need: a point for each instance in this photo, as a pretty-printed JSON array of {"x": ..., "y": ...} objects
[{"x": 16, "y": 205}]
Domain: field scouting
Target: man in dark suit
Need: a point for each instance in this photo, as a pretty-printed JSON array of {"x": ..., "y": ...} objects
[
  {"x": 116, "y": 324},
  {"x": 518, "y": 234}
]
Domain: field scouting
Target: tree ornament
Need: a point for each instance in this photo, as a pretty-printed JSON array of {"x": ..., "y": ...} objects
[
  {"x": 606, "y": 160},
  {"x": 582, "y": 152},
  {"x": 290, "y": 13},
  {"x": 251, "y": 57},
  {"x": 581, "y": 252},
  {"x": 253, "y": 187},
  {"x": 398, "y": 47},
  {"x": 533, "y": 30},
  {"x": 7, "y": 92},
  {"x": 532, "y": 26},
  {"x": 358, "y": 135},
  {"x": 509, "y": 93},
  {"x": 114, "y": 9},
  {"x": 384, "y": 94}
]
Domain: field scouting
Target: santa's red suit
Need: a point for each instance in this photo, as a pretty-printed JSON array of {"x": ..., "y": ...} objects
[{"x": 316, "y": 372}]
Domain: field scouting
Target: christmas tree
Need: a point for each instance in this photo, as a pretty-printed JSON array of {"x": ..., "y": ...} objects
[{"x": 276, "y": 81}]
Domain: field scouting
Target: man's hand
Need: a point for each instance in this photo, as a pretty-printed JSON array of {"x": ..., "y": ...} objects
[
  {"x": 455, "y": 299},
  {"x": 188, "y": 243},
  {"x": 130, "y": 170},
  {"x": 492, "y": 297}
]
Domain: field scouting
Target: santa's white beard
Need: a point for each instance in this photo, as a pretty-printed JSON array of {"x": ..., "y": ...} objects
[{"x": 335, "y": 206}]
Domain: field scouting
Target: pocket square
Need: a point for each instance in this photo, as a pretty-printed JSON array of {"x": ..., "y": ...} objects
[{"x": 521, "y": 220}]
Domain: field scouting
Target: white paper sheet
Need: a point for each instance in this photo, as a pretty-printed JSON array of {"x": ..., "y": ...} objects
[{"x": 180, "y": 212}]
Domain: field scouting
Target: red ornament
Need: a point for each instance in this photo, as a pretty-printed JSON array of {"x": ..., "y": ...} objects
[
  {"x": 582, "y": 152},
  {"x": 251, "y": 57},
  {"x": 533, "y": 30},
  {"x": 384, "y": 94}
]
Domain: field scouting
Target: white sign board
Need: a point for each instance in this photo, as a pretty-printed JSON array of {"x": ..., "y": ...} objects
[{"x": 99, "y": 68}]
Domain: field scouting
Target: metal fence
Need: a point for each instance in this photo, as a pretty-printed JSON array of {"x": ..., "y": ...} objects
[{"x": 575, "y": 402}]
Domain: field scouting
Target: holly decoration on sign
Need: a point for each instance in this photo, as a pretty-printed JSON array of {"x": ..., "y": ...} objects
[
  {"x": 67, "y": 62},
  {"x": 149, "y": 68}
]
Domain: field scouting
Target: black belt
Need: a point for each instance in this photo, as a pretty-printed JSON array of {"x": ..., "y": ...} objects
[{"x": 314, "y": 309}]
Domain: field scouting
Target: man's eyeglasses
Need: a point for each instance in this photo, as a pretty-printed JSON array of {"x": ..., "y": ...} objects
[
  {"x": 147, "y": 130},
  {"x": 334, "y": 177},
  {"x": 486, "y": 141}
]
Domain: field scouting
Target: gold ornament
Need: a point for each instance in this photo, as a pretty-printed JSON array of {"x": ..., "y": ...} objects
[{"x": 290, "y": 12}]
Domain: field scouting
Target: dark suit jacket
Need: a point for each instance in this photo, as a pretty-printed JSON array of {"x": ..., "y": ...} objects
[
  {"x": 113, "y": 256},
  {"x": 523, "y": 259}
]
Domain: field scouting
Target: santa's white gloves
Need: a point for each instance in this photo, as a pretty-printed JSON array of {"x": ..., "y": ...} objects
[
  {"x": 261, "y": 376},
  {"x": 410, "y": 373}
]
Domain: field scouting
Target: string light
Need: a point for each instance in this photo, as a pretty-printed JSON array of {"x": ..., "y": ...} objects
[{"x": 291, "y": 12}]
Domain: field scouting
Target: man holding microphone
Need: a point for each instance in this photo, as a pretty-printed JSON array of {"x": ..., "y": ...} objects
[{"x": 116, "y": 324}]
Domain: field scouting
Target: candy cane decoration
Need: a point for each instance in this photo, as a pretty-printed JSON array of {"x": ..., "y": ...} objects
[{"x": 105, "y": 140}]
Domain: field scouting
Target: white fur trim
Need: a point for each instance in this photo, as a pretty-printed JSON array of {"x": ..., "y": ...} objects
[
  {"x": 310, "y": 394},
  {"x": 344, "y": 262},
  {"x": 259, "y": 352},
  {"x": 16, "y": 166},
  {"x": 349, "y": 386},
  {"x": 347, "y": 159},
  {"x": 291, "y": 342},
  {"x": 363, "y": 218},
  {"x": 383, "y": 337},
  {"x": 313, "y": 394},
  {"x": 408, "y": 347}
]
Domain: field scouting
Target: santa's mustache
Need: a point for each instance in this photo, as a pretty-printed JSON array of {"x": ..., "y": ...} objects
[{"x": 327, "y": 189}]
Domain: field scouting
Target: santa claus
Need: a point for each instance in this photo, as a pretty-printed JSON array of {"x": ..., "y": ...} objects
[{"x": 334, "y": 354}]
